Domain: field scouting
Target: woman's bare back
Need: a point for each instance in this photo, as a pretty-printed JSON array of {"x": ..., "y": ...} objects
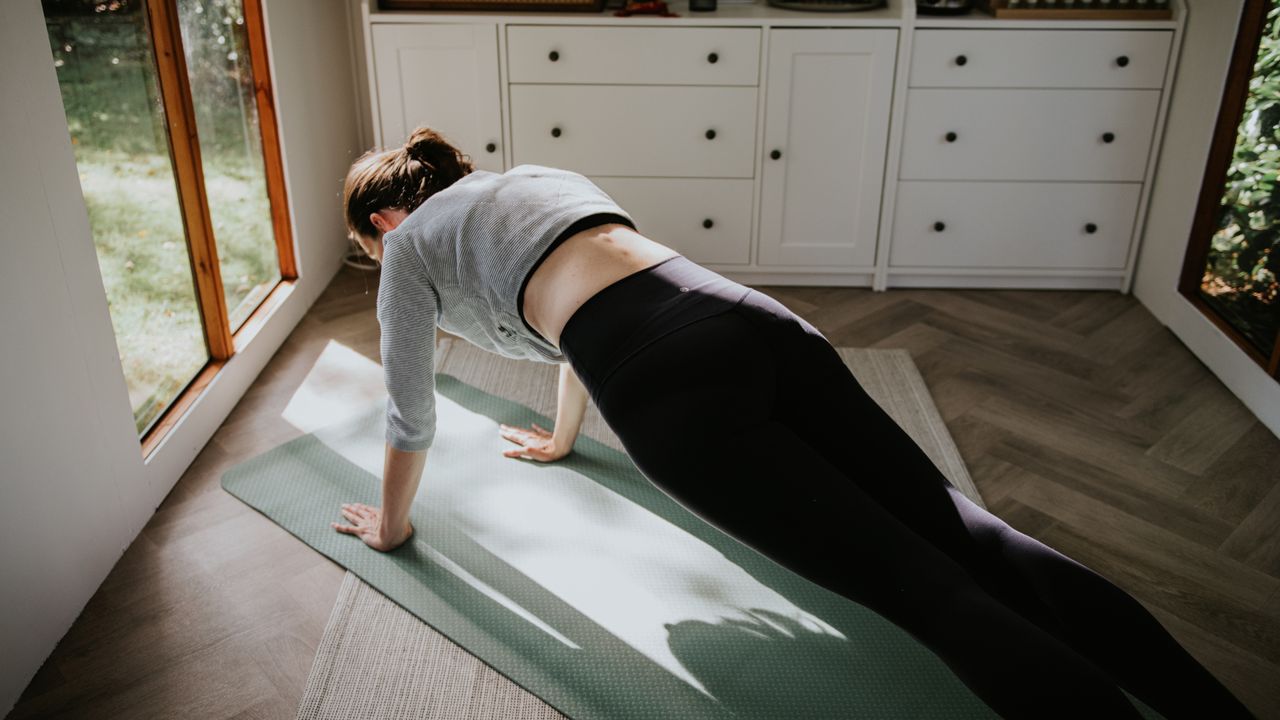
[{"x": 584, "y": 264}]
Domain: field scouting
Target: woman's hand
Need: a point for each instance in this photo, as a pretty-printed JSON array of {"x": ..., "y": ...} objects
[
  {"x": 536, "y": 444},
  {"x": 366, "y": 524}
]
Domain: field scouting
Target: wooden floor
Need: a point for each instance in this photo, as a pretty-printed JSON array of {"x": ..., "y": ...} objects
[{"x": 1084, "y": 423}]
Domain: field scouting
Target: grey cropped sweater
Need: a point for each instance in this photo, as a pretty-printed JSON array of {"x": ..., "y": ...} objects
[{"x": 459, "y": 261}]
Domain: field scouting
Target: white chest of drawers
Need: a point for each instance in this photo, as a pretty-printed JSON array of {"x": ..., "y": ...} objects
[
  {"x": 1026, "y": 155},
  {"x": 775, "y": 146}
]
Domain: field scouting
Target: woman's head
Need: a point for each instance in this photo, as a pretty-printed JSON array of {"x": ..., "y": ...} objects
[{"x": 381, "y": 182}]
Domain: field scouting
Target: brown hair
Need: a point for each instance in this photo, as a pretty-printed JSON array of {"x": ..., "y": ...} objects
[{"x": 401, "y": 178}]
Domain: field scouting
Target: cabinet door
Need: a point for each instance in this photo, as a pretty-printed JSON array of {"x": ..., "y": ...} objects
[
  {"x": 444, "y": 76},
  {"x": 826, "y": 131}
]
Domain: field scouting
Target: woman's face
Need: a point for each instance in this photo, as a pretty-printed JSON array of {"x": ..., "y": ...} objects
[{"x": 384, "y": 220}]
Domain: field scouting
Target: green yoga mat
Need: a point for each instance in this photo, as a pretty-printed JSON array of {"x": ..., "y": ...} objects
[{"x": 592, "y": 589}]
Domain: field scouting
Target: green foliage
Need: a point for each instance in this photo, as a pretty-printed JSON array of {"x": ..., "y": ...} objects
[{"x": 1244, "y": 258}]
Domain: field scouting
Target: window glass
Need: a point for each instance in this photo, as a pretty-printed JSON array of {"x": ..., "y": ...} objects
[
  {"x": 1240, "y": 277},
  {"x": 106, "y": 73},
  {"x": 216, "y": 48}
]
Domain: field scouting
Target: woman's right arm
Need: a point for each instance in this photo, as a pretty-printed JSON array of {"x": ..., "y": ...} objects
[
  {"x": 407, "y": 310},
  {"x": 401, "y": 472}
]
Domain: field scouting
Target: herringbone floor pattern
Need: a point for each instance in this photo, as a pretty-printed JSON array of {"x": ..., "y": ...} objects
[{"x": 1084, "y": 422}]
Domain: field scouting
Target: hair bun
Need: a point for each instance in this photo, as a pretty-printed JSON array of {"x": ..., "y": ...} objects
[
  {"x": 439, "y": 156},
  {"x": 428, "y": 146}
]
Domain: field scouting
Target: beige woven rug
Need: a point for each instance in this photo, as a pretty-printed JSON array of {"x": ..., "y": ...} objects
[{"x": 377, "y": 660}]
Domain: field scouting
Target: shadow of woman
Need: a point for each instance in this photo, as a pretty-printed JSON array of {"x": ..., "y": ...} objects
[{"x": 766, "y": 666}]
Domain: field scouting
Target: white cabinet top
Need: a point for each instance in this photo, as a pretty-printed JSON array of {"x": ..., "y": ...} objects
[
  {"x": 899, "y": 13},
  {"x": 756, "y": 15}
]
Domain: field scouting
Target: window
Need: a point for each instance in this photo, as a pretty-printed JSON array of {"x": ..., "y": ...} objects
[
  {"x": 169, "y": 107},
  {"x": 1233, "y": 259}
]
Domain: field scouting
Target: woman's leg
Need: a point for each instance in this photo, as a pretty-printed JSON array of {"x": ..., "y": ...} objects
[
  {"x": 822, "y": 402},
  {"x": 696, "y": 412}
]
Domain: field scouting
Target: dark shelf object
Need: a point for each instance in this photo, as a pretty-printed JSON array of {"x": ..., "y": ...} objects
[
  {"x": 707, "y": 223},
  {"x": 711, "y": 134},
  {"x": 775, "y": 154},
  {"x": 1108, "y": 137},
  {"x": 1091, "y": 228},
  {"x": 828, "y": 5},
  {"x": 491, "y": 148},
  {"x": 944, "y": 7},
  {"x": 555, "y": 132},
  {"x": 952, "y": 137},
  {"x": 939, "y": 226}
]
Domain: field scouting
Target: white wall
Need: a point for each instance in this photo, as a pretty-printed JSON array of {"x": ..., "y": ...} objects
[
  {"x": 1193, "y": 113},
  {"x": 74, "y": 490}
]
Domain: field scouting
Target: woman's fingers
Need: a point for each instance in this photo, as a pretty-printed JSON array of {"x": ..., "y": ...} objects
[
  {"x": 522, "y": 435},
  {"x": 351, "y": 515},
  {"x": 515, "y": 435}
]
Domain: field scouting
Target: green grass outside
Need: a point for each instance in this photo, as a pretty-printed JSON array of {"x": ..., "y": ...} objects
[{"x": 146, "y": 268}]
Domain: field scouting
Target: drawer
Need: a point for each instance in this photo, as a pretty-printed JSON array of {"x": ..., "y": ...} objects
[
  {"x": 1013, "y": 225},
  {"x": 1028, "y": 134},
  {"x": 633, "y": 55},
  {"x": 626, "y": 130},
  {"x": 1040, "y": 58},
  {"x": 676, "y": 212}
]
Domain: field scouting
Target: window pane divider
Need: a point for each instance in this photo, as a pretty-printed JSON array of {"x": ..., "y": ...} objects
[
  {"x": 184, "y": 147},
  {"x": 267, "y": 125}
]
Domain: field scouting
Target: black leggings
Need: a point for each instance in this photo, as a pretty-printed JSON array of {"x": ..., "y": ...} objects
[{"x": 742, "y": 412}]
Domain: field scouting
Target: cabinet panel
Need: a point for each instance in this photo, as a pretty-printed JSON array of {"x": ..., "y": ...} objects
[
  {"x": 461, "y": 102},
  {"x": 1040, "y": 58},
  {"x": 648, "y": 131},
  {"x": 1054, "y": 135},
  {"x": 675, "y": 212},
  {"x": 633, "y": 55},
  {"x": 827, "y": 122},
  {"x": 1013, "y": 225}
]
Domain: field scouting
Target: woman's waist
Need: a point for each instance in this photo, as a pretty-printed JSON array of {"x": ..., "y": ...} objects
[
  {"x": 628, "y": 314},
  {"x": 580, "y": 267}
]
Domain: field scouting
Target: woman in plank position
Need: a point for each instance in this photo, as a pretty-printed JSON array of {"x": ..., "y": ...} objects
[{"x": 742, "y": 412}]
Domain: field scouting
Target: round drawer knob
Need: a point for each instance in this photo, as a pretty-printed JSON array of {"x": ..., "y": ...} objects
[
  {"x": 711, "y": 134},
  {"x": 961, "y": 60},
  {"x": 776, "y": 154},
  {"x": 555, "y": 132},
  {"x": 707, "y": 223},
  {"x": 713, "y": 58},
  {"x": 1123, "y": 61},
  {"x": 491, "y": 147},
  {"x": 939, "y": 226},
  {"x": 1091, "y": 228},
  {"x": 952, "y": 137},
  {"x": 1108, "y": 137},
  {"x": 554, "y": 56}
]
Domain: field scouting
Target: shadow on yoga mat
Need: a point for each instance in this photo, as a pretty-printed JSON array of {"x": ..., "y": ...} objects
[{"x": 592, "y": 589}]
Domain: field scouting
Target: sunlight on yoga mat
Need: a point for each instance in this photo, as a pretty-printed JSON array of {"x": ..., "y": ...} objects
[{"x": 599, "y": 552}]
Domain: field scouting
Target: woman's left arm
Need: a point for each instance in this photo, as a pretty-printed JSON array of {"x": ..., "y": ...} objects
[{"x": 542, "y": 444}]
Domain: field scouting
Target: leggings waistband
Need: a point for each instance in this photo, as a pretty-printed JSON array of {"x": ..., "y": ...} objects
[{"x": 632, "y": 312}]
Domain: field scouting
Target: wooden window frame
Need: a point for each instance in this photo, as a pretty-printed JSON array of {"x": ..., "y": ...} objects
[
  {"x": 1248, "y": 40},
  {"x": 184, "y": 148}
]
